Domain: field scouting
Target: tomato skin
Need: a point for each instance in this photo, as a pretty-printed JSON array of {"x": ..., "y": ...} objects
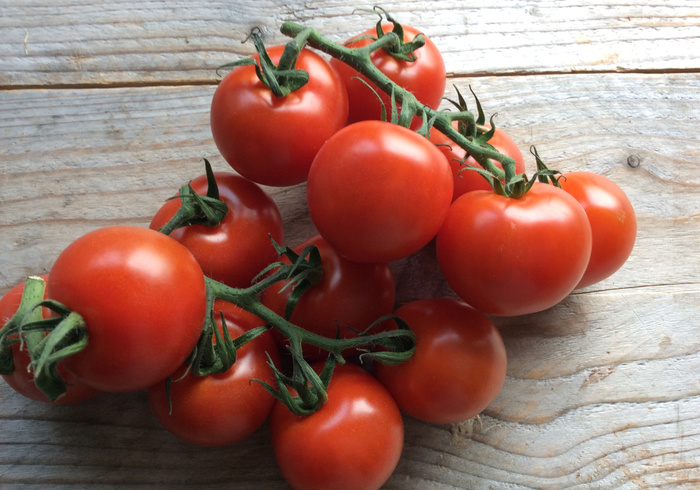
[
  {"x": 348, "y": 299},
  {"x": 425, "y": 77},
  {"x": 353, "y": 442},
  {"x": 378, "y": 192},
  {"x": 507, "y": 256},
  {"x": 22, "y": 380},
  {"x": 271, "y": 140},
  {"x": 466, "y": 180},
  {"x": 143, "y": 299},
  {"x": 237, "y": 249},
  {"x": 613, "y": 222},
  {"x": 221, "y": 409},
  {"x": 459, "y": 365}
]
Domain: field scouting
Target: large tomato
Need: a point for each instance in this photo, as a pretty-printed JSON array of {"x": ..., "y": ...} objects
[
  {"x": 458, "y": 367},
  {"x": 142, "y": 296},
  {"x": 425, "y": 77},
  {"x": 239, "y": 247},
  {"x": 221, "y": 409},
  {"x": 613, "y": 222},
  {"x": 378, "y": 191},
  {"x": 466, "y": 180},
  {"x": 272, "y": 140},
  {"x": 353, "y": 441},
  {"x": 22, "y": 379},
  {"x": 507, "y": 256},
  {"x": 347, "y": 300}
]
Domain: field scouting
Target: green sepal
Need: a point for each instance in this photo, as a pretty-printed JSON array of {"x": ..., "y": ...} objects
[{"x": 398, "y": 345}]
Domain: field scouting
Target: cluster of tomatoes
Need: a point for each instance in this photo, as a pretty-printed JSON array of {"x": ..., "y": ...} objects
[{"x": 377, "y": 192}]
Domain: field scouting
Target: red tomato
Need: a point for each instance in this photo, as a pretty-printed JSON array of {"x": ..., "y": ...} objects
[
  {"x": 613, "y": 222},
  {"x": 507, "y": 256},
  {"x": 459, "y": 365},
  {"x": 378, "y": 191},
  {"x": 236, "y": 250},
  {"x": 425, "y": 77},
  {"x": 349, "y": 298},
  {"x": 143, "y": 299},
  {"x": 466, "y": 180},
  {"x": 353, "y": 441},
  {"x": 271, "y": 140},
  {"x": 221, "y": 409},
  {"x": 22, "y": 380}
]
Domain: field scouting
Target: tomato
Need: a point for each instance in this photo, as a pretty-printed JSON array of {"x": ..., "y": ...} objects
[
  {"x": 378, "y": 191},
  {"x": 459, "y": 365},
  {"x": 221, "y": 409},
  {"x": 466, "y": 180},
  {"x": 347, "y": 300},
  {"x": 236, "y": 250},
  {"x": 353, "y": 441},
  {"x": 272, "y": 140},
  {"x": 425, "y": 77},
  {"x": 613, "y": 222},
  {"x": 507, "y": 256},
  {"x": 142, "y": 296},
  {"x": 22, "y": 380}
]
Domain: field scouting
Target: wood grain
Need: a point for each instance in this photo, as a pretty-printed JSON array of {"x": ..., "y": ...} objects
[{"x": 104, "y": 112}]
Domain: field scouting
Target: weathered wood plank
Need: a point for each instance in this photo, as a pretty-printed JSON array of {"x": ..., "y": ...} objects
[{"x": 73, "y": 42}]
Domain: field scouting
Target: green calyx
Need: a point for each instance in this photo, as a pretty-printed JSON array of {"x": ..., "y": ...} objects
[
  {"x": 207, "y": 210},
  {"x": 47, "y": 341},
  {"x": 283, "y": 78}
]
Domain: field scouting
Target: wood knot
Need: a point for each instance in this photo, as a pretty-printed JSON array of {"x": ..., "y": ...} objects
[{"x": 634, "y": 161}]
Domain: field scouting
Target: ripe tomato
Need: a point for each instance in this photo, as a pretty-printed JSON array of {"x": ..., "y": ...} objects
[
  {"x": 237, "y": 249},
  {"x": 425, "y": 77},
  {"x": 142, "y": 296},
  {"x": 613, "y": 222},
  {"x": 348, "y": 299},
  {"x": 459, "y": 365},
  {"x": 272, "y": 140},
  {"x": 378, "y": 191},
  {"x": 22, "y": 380},
  {"x": 221, "y": 409},
  {"x": 466, "y": 180},
  {"x": 353, "y": 441},
  {"x": 507, "y": 256}
]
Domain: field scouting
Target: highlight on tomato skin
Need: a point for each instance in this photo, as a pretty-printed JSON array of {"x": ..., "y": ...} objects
[
  {"x": 353, "y": 441},
  {"x": 240, "y": 246},
  {"x": 613, "y": 223},
  {"x": 378, "y": 192},
  {"x": 459, "y": 365},
  {"x": 269, "y": 140},
  {"x": 508, "y": 257},
  {"x": 142, "y": 296}
]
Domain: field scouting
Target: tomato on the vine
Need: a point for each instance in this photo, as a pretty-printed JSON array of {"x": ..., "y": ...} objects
[
  {"x": 142, "y": 296},
  {"x": 458, "y": 367},
  {"x": 221, "y": 409},
  {"x": 506, "y": 256},
  {"x": 378, "y": 191},
  {"x": 347, "y": 300},
  {"x": 272, "y": 140},
  {"x": 22, "y": 379},
  {"x": 353, "y": 441},
  {"x": 465, "y": 179},
  {"x": 239, "y": 247},
  {"x": 612, "y": 218},
  {"x": 424, "y": 77}
]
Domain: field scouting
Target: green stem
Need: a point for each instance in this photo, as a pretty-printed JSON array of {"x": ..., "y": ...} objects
[{"x": 359, "y": 59}]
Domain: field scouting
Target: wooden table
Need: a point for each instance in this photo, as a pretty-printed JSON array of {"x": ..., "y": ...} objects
[{"x": 104, "y": 113}]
